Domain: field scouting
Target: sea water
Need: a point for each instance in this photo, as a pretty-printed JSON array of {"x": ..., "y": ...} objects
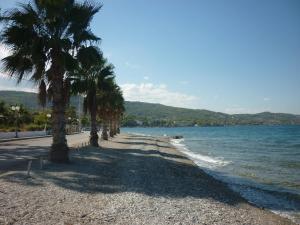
[{"x": 262, "y": 163}]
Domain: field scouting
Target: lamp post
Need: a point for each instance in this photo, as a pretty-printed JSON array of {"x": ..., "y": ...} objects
[
  {"x": 70, "y": 125},
  {"x": 78, "y": 125},
  {"x": 16, "y": 110},
  {"x": 48, "y": 117}
]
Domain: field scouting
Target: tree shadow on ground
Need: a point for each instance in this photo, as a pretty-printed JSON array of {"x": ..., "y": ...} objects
[
  {"x": 17, "y": 159},
  {"x": 111, "y": 170}
]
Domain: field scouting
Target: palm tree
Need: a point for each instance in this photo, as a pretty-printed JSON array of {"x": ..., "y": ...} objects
[
  {"x": 47, "y": 39},
  {"x": 110, "y": 107},
  {"x": 103, "y": 104},
  {"x": 116, "y": 109},
  {"x": 88, "y": 81}
]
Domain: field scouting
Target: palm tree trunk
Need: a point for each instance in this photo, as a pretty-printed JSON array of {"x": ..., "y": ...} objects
[
  {"x": 104, "y": 131},
  {"x": 111, "y": 127},
  {"x": 59, "y": 148},
  {"x": 119, "y": 124},
  {"x": 94, "y": 132},
  {"x": 115, "y": 126}
]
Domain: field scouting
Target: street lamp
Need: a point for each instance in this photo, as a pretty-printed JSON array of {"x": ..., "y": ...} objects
[
  {"x": 16, "y": 110},
  {"x": 48, "y": 117},
  {"x": 78, "y": 125},
  {"x": 69, "y": 125}
]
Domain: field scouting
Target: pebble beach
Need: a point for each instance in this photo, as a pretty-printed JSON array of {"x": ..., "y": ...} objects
[{"x": 130, "y": 179}]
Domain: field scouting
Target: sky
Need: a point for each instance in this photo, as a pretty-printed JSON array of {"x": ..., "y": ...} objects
[{"x": 233, "y": 56}]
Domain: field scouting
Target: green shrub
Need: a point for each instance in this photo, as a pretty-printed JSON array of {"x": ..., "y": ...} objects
[{"x": 34, "y": 127}]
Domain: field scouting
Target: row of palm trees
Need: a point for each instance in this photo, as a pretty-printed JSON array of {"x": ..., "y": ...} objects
[
  {"x": 103, "y": 97},
  {"x": 51, "y": 42}
]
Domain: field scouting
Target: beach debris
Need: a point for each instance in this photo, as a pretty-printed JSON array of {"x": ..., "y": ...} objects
[{"x": 177, "y": 137}]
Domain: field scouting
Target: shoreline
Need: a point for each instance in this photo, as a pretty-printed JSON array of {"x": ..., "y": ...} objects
[
  {"x": 170, "y": 140},
  {"x": 131, "y": 179},
  {"x": 187, "y": 152}
]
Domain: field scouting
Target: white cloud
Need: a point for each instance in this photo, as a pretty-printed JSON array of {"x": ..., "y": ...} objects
[
  {"x": 148, "y": 92},
  {"x": 146, "y": 78},
  {"x": 4, "y": 51},
  {"x": 266, "y": 99}
]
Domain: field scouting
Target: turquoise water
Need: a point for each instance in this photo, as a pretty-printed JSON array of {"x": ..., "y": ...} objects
[{"x": 262, "y": 163}]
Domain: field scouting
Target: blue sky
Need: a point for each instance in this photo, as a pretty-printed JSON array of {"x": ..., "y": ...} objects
[{"x": 233, "y": 56}]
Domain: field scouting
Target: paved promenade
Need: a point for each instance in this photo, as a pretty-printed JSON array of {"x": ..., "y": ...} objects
[
  {"x": 8, "y": 135},
  {"x": 17, "y": 153}
]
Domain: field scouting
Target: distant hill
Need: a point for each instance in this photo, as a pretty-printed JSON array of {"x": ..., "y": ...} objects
[
  {"x": 149, "y": 114},
  {"x": 167, "y": 115},
  {"x": 28, "y": 99}
]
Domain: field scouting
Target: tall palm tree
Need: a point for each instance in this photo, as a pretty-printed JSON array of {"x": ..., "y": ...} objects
[
  {"x": 88, "y": 81},
  {"x": 116, "y": 109},
  {"x": 47, "y": 39},
  {"x": 110, "y": 105},
  {"x": 103, "y": 104}
]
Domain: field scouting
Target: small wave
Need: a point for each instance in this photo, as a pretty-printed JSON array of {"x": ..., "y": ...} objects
[
  {"x": 284, "y": 204},
  {"x": 200, "y": 160}
]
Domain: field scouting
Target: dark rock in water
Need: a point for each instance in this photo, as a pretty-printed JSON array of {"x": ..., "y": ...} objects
[{"x": 177, "y": 137}]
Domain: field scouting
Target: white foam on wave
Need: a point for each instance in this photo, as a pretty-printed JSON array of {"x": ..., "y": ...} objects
[
  {"x": 200, "y": 160},
  {"x": 254, "y": 196}
]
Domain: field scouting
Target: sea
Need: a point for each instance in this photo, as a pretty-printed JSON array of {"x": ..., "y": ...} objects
[{"x": 262, "y": 163}]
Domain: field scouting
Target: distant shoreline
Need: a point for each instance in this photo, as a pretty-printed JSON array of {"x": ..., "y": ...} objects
[{"x": 235, "y": 125}]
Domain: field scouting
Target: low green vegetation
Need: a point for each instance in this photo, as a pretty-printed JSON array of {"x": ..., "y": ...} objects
[{"x": 29, "y": 119}]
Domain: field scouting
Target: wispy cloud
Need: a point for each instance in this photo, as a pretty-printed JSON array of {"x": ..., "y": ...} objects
[
  {"x": 146, "y": 78},
  {"x": 266, "y": 99},
  {"x": 149, "y": 92}
]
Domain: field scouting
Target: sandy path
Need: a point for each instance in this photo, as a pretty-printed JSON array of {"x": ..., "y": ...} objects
[{"x": 130, "y": 180}]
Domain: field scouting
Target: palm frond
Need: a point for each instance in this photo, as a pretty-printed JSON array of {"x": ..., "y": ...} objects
[
  {"x": 89, "y": 56},
  {"x": 17, "y": 65},
  {"x": 81, "y": 16}
]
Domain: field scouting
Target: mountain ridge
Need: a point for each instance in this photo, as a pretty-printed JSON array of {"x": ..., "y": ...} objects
[{"x": 156, "y": 114}]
